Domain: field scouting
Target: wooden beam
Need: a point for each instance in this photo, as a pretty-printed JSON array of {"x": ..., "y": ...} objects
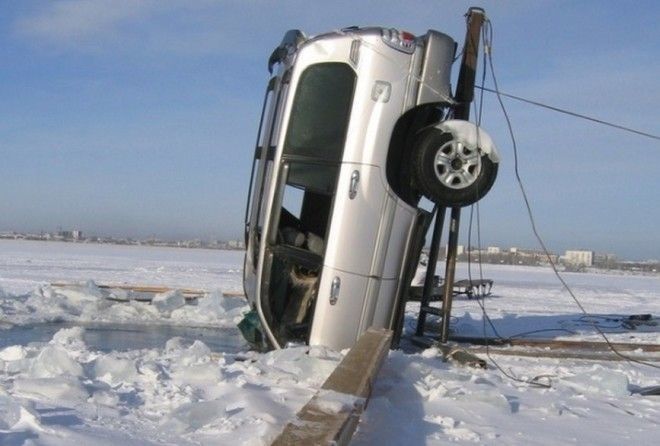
[
  {"x": 558, "y": 343},
  {"x": 333, "y": 413},
  {"x": 467, "y": 73},
  {"x": 587, "y": 350},
  {"x": 233, "y": 293},
  {"x": 156, "y": 289},
  {"x": 188, "y": 293},
  {"x": 598, "y": 355}
]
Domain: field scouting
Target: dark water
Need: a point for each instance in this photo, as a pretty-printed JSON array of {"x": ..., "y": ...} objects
[{"x": 121, "y": 337}]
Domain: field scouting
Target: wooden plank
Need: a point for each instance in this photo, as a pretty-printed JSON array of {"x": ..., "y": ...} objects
[
  {"x": 233, "y": 293},
  {"x": 333, "y": 413},
  {"x": 563, "y": 353},
  {"x": 558, "y": 344},
  {"x": 155, "y": 289},
  {"x": 466, "y": 355}
]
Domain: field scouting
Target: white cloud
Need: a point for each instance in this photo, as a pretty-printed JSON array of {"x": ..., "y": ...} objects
[
  {"x": 72, "y": 22},
  {"x": 218, "y": 26},
  {"x": 170, "y": 26}
]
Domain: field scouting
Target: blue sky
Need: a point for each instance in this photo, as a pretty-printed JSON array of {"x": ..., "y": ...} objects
[{"x": 124, "y": 117}]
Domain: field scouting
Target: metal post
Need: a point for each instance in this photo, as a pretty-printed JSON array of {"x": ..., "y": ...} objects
[
  {"x": 450, "y": 271},
  {"x": 464, "y": 95},
  {"x": 430, "y": 268}
]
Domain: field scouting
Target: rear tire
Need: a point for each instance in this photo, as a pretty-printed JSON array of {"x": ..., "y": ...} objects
[{"x": 449, "y": 173}]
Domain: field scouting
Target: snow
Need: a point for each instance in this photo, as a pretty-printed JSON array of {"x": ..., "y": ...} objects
[
  {"x": 330, "y": 401},
  {"x": 181, "y": 393},
  {"x": 528, "y": 298},
  {"x": 65, "y": 386},
  {"x": 471, "y": 136},
  {"x": 167, "y": 302},
  {"x": 26, "y": 264},
  {"x": 418, "y": 399},
  {"x": 89, "y": 303}
]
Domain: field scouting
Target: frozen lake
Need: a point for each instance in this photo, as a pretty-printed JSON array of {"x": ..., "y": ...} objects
[
  {"x": 107, "y": 337},
  {"x": 523, "y": 298},
  {"x": 26, "y": 264},
  {"x": 76, "y": 366}
]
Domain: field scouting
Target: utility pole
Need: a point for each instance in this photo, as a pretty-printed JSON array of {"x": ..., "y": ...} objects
[
  {"x": 464, "y": 96},
  {"x": 465, "y": 86}
]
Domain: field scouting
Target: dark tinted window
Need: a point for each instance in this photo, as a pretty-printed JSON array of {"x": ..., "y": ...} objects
[
  {"x": 316, "y": 177},
  {"x": 320, "y": 112}
]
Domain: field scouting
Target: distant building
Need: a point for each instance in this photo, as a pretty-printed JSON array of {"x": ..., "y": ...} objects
[
  {"x": 236, "y": 244},
  {"x": 578, "y": 257},
  {"x": 70, "y": 235},
  {"x": 605, "y": 260},
  {"x": 493, "y": 250}
]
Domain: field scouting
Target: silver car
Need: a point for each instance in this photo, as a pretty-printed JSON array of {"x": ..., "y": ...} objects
[{"x": 356, "y": 127}]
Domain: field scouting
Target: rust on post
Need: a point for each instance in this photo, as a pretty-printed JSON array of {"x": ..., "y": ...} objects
[{"x": 468, "y": 70}]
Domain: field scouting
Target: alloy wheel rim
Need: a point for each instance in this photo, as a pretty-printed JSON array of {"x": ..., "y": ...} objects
[{"x": 457, "y": 166}]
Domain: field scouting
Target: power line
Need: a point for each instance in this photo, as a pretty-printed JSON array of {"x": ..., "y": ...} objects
[
  {"x": 570, "y": 113},
  {"x": 489, "y": 60},
  {"x": 485, "y": 318}
]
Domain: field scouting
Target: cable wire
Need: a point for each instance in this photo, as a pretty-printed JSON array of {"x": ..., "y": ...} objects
[
  {"x": 479, "y": 112},
  {"x": 570, "y": 113},
  {"x": 482, "y": 303},
  {"x": 489, "y": 57}
]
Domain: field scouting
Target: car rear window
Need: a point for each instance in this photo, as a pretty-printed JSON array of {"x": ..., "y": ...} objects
[{"x": 321, "y": 111}]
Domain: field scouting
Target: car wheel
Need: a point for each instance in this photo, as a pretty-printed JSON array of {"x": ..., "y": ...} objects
[{"x": 448, "y": 172}]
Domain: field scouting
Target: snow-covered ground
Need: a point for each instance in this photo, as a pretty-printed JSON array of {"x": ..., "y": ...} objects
[
  {"x": 67, "y": 388},
  {"x": 526, "y": 299},
  {"x": 26, "y": 264}
]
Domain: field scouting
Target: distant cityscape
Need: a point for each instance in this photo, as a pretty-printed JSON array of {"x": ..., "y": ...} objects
[
  {"x": 574, "y": 260},
  {"x": 77, "y": 236}
]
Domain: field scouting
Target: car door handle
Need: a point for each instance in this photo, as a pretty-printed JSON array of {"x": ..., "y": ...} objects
[
  {"x": 334, "y": 290},
  {"x": 355, "y": 180}
]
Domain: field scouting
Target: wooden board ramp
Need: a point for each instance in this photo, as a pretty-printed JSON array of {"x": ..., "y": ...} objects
[
  {"x": 463, "y": 349},
  {"x": 557, "y": 343},
  {"x": 233, "y": 293},
  {"x": 188, "y": 293},
  {"x": 561, "y": 348},
  {"x": 564, "y": 353},
  {"x": 332, "y": 415},
  {"x": 151, "y": 289}
]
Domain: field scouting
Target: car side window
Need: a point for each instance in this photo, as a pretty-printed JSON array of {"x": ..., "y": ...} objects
[{"x": 321, "y": 111}]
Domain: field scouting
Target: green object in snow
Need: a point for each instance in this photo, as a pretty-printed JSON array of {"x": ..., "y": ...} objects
[{"x": 250, "y": 328}]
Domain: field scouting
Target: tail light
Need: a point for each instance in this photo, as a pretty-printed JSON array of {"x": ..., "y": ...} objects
[{"x": 399, "y": 40}]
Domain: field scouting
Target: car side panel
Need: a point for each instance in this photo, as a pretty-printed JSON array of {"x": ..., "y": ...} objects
[
  {"x": 337, "y": 325},
  {"x": 353, "y": 232},
  {"x": 403, "y": 218},
  {"x": 385, "y": 305}
]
